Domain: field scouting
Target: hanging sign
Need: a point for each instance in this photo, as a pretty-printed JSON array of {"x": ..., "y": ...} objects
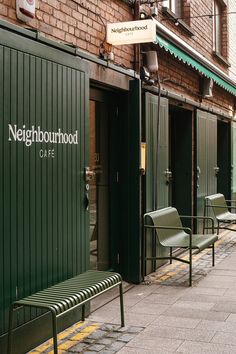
[
  {"x": 131, "y": 32},
  {"x": 25, "y": 10}
]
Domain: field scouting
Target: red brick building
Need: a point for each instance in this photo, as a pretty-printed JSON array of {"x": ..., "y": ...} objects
[{"x": 146, "y": 139}]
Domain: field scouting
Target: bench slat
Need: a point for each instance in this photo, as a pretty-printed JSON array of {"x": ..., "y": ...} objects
[{"x": 69, "y": 294}]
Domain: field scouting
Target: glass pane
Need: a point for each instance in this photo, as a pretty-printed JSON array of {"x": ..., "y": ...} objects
[
  {"x": 93, "y": 190},
  {"x": 176, "y": 7},
  {"x": 217, "y": 27}
]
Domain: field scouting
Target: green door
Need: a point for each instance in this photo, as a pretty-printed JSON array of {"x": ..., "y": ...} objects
[
  {"x": 224, "y": 158},
  {"x": 157, "y": 187},
  {"x": 206, "y": 170},
  {"x": 43, "y": 152},
  {"x": 233, "y": 161},
  {"x": 157, "y": 165}
]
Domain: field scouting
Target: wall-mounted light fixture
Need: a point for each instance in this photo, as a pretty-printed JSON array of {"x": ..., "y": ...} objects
[
  {"x": 148, "y": 11},
  {"x": 152, "y": 61},
  {"x": 143, "y": 13},
  {"x": 207, "y": 87},
  {"x": 148, "y": 72}
]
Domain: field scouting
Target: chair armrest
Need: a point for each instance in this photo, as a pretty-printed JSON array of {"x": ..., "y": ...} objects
[
  {"x": 200, "y": 217},
  {"x": 187, "y": 229}
]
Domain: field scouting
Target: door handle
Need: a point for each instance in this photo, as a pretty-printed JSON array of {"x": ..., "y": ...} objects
[
  {"x": 168, "y": 175},
  {"x": 216, "y": 169},
  {"x": 88, "y": 174},
  {"x": 86, "y": 201}
]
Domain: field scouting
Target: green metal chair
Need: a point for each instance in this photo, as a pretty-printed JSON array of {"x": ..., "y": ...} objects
[
  {"x": 218, "y": 204},
  {"x": 171, "y": 233}
]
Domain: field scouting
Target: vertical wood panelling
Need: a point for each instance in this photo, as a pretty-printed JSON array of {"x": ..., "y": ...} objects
[
  {"x": 233, "y": 161},
  {"x": 157, "y": 190},
  {"x": 44, "y": 226},
  {"x": 206, "y": 158},
  {"x": 1, "y": 196},
  {"x": 7, "y": 174}
]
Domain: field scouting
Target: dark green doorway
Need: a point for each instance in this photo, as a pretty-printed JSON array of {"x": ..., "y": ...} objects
[
  {"x": 181, "y": 161},
  {"x": 223, "y": 159},
  {"x": 99, "y": 180}
]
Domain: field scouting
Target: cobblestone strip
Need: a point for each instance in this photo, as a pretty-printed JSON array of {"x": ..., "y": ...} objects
[
  {"x": 108, "y": 339},
  {"x": 104, "y": 339}
]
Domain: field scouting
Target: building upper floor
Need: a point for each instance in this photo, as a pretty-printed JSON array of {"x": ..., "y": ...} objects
[{"x": 208, "y": 26}]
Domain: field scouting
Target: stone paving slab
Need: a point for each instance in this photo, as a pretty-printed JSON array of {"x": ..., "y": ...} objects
[
  {"x": 106, "y": 338},
  {"x": 164, "y": 315}
]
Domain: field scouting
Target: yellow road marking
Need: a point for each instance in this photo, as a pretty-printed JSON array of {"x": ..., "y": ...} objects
[
  {"x": 60, "y": 336},
  {"x": 70, "y": 342}
]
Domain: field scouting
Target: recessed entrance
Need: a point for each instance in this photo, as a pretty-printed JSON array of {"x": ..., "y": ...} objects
[
  {"x": 181, "y": 159},
  {"x": 99, "y": 184}
]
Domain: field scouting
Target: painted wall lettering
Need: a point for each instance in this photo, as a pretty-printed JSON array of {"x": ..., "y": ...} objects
[{"x": 36, "y": 135}]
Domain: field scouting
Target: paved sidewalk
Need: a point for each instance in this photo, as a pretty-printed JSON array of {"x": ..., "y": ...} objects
[{"x": 164, "y": 315}]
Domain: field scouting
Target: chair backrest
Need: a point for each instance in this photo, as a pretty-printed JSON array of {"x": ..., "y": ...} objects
[
  {"x": 164, "y": 217},
  {"x": 217, "y": 203}
]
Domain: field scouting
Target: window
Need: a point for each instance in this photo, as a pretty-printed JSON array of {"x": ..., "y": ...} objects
[
  {"x": 174, "y": 5},
  {"x": 217, "y": 21}
]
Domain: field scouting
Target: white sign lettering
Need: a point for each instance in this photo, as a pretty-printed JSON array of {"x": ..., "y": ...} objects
[
  {"x": 46, "y": 153},
  {"x": 131, "y": 32},
  {"x": 36, "y": 135}
]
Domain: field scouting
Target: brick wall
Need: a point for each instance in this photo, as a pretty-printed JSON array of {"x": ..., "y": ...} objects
[
  {"x": 232, "y": 39},
  {"x": 181, "y": 79},
  {"x": 78, "y": 22},
  {"x": 82, "y": 23}
]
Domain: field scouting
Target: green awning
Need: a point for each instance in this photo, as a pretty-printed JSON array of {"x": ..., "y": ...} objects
[{"x": 185, "y": 58}]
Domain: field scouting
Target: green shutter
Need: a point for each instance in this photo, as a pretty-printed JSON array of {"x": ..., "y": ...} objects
[
  {"x": 233, "y": 161},
  {"x": 44, "y": 226},
  {"x": 157, "y": 190},
  {"x": 206, "y": 157},
  {"x": 157, "y": 161}
]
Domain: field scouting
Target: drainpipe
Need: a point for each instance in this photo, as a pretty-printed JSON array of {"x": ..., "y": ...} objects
[{"x": 137, "y": 46}]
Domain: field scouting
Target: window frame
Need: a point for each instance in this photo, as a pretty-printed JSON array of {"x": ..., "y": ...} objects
[
  {"x": 173, "y": 5},
  {"x": 217, "y": 27}
]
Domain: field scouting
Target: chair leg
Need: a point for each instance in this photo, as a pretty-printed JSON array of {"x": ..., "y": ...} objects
[
  {"x": 213, "y": 255},
  {"x": 54, "y": 329},
  {"x": 170, "y": 255},
  {"x": 83, "y": 312},
  {"x": 218, "y": 227},
  {"x": 190, "y": 267},
  {"x": 204, "y": 220},
  {"x": 122, "y": 306}
]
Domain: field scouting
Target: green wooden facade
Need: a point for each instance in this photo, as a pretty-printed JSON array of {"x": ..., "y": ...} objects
[
  {"x": 206, "y": 176},
  {"x": 157, "y": 163},
  {"x": 43, "y": 150}
]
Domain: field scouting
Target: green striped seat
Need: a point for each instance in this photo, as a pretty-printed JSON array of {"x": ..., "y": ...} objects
[
  {"x": 170, "y": 232},
  {"x": 69, "y": 294},
  {"x": 224, "y": 217}
]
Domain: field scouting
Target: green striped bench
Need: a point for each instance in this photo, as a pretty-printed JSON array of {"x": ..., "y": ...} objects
[{"x": 68, "y": 295}]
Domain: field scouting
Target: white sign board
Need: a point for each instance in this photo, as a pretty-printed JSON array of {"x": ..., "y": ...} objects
[{"x": 131, "y": 32}]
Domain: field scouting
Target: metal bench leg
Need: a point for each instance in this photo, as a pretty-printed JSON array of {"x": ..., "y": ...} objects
[
  {"x": 218, "y": 227},
  {"x": 9, "y": 347},
  {"x": 213, "y": 255},
  {"x": 190, "y": 267},
  {"x": 204, "y": 220},
  {"x": 122, "y": 306},
  {"x": 170, "y": 255},
  {"x": 83, "y": 312},
  {"x": 54, "y": 329}
]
